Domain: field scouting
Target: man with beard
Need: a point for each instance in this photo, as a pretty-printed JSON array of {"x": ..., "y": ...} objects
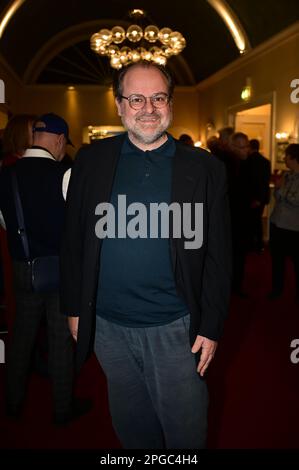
[{"x": 152, "y": 309}]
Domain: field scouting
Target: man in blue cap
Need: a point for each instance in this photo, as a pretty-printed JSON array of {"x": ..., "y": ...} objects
[
  {"x": 40, "y": 182},
  {"x": 53, "y": 124}
]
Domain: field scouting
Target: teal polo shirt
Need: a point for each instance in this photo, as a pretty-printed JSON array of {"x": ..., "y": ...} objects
[{"x": 136, "y": 285}]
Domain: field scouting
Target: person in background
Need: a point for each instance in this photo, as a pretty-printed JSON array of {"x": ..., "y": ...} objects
[
  {"x": 213, "y": 145},
  {"x": 17, "y": 137},
  {"x": 284, "y": 223},
  {"x": 186, "y": 139},
  {"x": 240, "y": 197},
  {"x": 259, "y": 169},
  {"x": 40, "y": 180},
  {"x": 224, "y": 150},
  {"x": 67, "y": 161},
  {"x": 151, "y": 308}
]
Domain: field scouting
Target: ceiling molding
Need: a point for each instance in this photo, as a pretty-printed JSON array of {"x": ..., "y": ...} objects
[
  {"x": 9, "y": 70},
  {"x": 62, "y": 41},
  {"x": 279, "y": 39}
]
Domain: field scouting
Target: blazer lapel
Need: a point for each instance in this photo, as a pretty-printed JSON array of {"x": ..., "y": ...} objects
[
  {"x": 102, "y": 177},
  {"x": 106, "y": 164},
  {"x": 184, "y": 182}
]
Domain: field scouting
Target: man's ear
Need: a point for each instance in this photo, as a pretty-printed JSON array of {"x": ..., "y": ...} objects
[
  {"x": 118, "y": 105},
  {"x": 61, "y": 139}
]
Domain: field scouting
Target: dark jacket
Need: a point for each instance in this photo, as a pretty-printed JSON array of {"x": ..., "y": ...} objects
[
  {"x": 202, "y": 276},
  {"x": 259, "y": 169},
  {"x": 40, "y": 187}
]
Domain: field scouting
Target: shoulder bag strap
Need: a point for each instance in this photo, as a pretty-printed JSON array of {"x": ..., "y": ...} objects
[{"x": 20, "y": 214}]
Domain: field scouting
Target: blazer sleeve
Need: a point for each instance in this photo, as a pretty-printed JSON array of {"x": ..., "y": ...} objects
[
  {"x": 71, "y": 247},
  {"x": 217, "y": 271}
]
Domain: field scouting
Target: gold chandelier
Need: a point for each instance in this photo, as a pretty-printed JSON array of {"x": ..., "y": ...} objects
[{"x": 136, "y": 43}]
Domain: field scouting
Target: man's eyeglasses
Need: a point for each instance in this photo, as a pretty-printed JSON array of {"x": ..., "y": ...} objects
[{"x": 158, "y": 100}]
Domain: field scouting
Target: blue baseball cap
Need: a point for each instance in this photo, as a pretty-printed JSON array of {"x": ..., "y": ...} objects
[{"x": 52, "y": 123}]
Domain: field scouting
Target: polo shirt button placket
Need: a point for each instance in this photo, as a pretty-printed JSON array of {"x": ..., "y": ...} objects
[{"x": 147, "y": 166}]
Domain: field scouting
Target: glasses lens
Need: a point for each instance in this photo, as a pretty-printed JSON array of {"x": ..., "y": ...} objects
[
  {"x": 160, "y": 100},
  {"x": 136, "y": 101}
]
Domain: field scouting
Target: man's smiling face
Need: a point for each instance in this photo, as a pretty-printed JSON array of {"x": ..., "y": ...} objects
[{"x": 145, "y": 126}]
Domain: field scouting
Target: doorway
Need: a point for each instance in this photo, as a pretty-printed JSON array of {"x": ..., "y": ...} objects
[{"x": 256, "y": 123}]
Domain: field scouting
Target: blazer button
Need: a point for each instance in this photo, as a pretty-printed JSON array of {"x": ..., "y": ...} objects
[{"x": 90, "y": 304}]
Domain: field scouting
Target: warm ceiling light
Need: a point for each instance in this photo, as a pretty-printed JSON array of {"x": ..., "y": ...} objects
[
  {"x": 233, "y": 24},
  {"x": 136, "y": 11},
  {"x": 9, "y": 14},
  {"x": 71, "y": 88},
  {"x": 134, "y": 44}
]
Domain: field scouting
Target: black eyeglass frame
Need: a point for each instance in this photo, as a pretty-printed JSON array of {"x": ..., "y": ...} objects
[{"x": 168, "y": 98}]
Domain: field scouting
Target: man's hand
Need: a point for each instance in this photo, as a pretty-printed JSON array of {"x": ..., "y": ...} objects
[
  {"x": 208, "y": 348},
  {"x": 73, "y": 326}
]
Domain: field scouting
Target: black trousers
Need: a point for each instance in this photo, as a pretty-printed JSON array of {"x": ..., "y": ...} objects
[
  {"x": 283, "y": 243},
  {"x": 240, "y": 246},
  {"x": 256, "y": 228},
  {"x": 30, "y": 308}
]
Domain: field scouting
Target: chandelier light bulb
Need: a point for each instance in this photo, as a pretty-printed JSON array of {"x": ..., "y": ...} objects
[
  {"x": 118, "y": 34},
  {"x": 151, "y": 33},
  {"x": 134, "y": 33},
  {"x": 175, "y": 38},
  {"x": 102, "y": 50},
  {"x": 135, "y": 56},
  {"x": 112, "y": 50},
  {"x": 125, "y": 55},
  {"x": 167, "y": 51},
  {"x": 164, "y": 34},
  {"x": 115, "y": 62},
  {"x": 105, "y": 35},
  {"x": 95, "y": 41}
]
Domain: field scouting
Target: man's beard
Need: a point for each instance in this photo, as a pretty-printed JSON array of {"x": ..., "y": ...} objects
[{"x": 144, "y": 137}]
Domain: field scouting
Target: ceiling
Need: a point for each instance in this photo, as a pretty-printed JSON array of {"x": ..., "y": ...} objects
[{"x": 48, "y": 41}]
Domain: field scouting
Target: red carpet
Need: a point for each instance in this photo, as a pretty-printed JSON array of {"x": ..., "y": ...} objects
[{"x": 254, "y": 387}]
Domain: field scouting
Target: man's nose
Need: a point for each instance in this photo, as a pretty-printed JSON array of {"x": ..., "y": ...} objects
[{"x": 148, "y": 106}]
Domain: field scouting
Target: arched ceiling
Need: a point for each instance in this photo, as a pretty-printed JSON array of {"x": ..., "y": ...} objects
[{"x": 47, "y": 41}]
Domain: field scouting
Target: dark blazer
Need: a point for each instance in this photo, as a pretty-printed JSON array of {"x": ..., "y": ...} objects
[
  {"x": 259, "y": 169},
  {"x": 40, "y": 185},
  {"x": 202, "y": 276}
]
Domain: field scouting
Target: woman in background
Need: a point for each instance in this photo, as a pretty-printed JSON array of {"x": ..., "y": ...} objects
[
  {"x": 284, "y": 228},
  {"x": 17, "y": 137}
]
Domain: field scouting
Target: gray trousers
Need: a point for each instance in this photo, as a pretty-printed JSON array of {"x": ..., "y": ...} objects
[{"x": 157, "y": 399}]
